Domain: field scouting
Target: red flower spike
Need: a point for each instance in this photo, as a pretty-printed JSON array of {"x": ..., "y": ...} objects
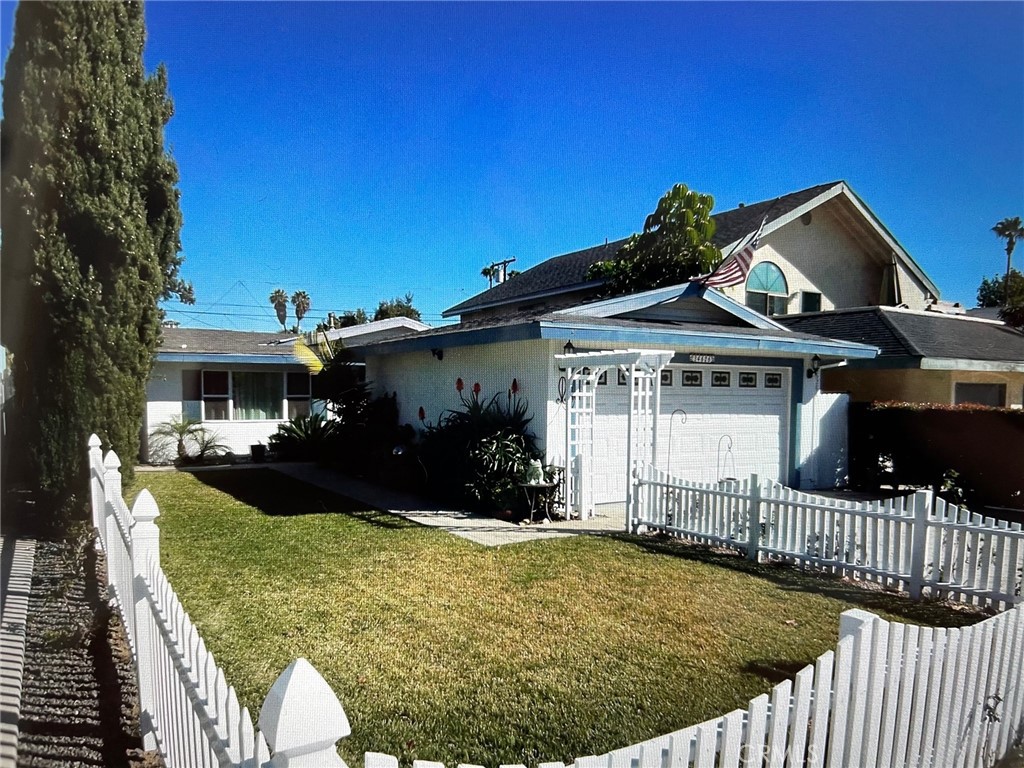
[
  {"x": 476, "y": 388},
  {"x": 459, "y": 385},
  {"x": 423, "y": 414},
  {"x": 515, "y": 387}
]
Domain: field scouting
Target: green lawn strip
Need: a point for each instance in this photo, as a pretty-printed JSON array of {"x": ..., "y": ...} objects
[{"x": 444, "y": 650}]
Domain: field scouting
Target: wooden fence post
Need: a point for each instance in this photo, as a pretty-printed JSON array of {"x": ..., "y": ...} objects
[
  {"x": 754, "y": 519},
  {"x": 111, "y": 478},
  {"x": 145, "y": 554},
  {"x": 302, "y": 719},
  {"x": 96, "y": 495},
  {"x": 919, "y": 542}
]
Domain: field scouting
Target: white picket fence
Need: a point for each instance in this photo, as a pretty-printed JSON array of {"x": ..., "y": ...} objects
[
  {"x": 188, "y": 711},
  {"x": 916, "y": 543},
  {"x": 891, "y": 694}
]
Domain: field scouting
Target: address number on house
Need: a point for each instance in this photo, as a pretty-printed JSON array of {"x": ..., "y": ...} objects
[{"x": 702, "y": 358}]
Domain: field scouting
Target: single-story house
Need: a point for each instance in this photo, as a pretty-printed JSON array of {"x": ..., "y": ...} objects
[
  {"x": 924, "y": 357},
  {"x": 240, "y": 385},
  {"x": 734, "y": 391}
]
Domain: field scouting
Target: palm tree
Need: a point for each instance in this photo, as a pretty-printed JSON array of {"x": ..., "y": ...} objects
[
  {"x": 490, "y": 273},
  {"x": 280, "y": 301},
  {"x": 1010, "y": 230},
  {"x": 301, "y": 302}
]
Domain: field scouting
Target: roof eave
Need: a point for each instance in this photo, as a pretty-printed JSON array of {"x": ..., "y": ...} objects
[{"x": 225, "y": 358}]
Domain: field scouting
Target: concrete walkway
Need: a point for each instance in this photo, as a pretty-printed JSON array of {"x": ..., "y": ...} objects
[
  {"x": 477, "y": 528},
  {"x": 17, "y": 558}
]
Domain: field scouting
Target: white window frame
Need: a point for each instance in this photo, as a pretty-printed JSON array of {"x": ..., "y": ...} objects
[{"x": 230, "y": 399}]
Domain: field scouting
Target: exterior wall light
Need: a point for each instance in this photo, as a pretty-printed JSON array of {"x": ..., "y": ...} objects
[
  {"x": 815, "y": 367},
  {"x": 568, "y": 348}
]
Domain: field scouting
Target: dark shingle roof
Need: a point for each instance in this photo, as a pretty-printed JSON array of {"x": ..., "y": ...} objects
[
  {"x": 902, "y": 333},
  {"x": 569, "y": 271},
  {"x": 215, "y": 341}
]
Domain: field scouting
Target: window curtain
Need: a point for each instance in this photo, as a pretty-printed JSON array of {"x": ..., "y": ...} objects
[{"x": 258, "y": 395}]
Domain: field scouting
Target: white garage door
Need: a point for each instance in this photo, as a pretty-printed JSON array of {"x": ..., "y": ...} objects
[{"x": 716, "y": 421}]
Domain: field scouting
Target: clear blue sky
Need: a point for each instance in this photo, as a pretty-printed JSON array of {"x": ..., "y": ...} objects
[{"x": 360, "y": 151}]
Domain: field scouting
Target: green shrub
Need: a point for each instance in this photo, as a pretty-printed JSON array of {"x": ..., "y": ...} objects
[
  {"x": 304, "y": 438},
  {"x": 183, "y": 440},
  {"x": 478, "y": 455}
]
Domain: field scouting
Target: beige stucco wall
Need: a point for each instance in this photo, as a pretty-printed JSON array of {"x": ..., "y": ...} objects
[
  {"x": 821, "y": 257},
  {"x": 914, "y": 385}
]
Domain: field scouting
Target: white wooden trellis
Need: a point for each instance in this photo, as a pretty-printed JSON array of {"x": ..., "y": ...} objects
[
  {"x": 582, "y": 370},
  {"x": 642, "y": 426},
  {"x": 579, "y": 436}
]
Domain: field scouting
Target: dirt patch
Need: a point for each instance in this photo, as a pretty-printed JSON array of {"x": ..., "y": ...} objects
[{"x": 79, "y": 696}]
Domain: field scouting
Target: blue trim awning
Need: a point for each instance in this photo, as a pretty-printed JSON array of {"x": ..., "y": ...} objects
[
  {"x": 631, "y": 336},
  {"x": 236, "y": 359}
]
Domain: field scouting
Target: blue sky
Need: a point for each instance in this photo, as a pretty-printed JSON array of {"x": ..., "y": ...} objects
[{"x": 362, "y": 151}]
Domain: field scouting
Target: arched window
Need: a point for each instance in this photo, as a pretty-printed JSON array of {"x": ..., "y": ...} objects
[{"x": 766, "y": 289}]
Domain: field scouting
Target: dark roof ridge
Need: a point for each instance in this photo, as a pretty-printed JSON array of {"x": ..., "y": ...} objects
[{"x": 900, "y": 336}]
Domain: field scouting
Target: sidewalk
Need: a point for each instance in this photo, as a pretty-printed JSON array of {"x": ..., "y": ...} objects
[
  {"x": 16, "y": 561},
  {"x": 481, "y": 529}
]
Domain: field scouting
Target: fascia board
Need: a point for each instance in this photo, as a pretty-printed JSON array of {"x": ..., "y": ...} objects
[
  {"x": 622, "y": 304},
  {"x": 793, "y": 215},
  {"x": 460, "y": 309},
  {"x": 743, "y": 312},
  {"x": 960, "y": 364},
  {"x": 890, "y": 239},
  {"x": 234, "y": 359},
  {"x": 657, "y": 337}
]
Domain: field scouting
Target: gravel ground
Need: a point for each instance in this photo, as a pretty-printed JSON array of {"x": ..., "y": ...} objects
[{"x": 79, "y": 699}]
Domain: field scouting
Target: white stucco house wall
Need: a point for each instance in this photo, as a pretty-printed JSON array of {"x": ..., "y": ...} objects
[{"x": 240, "y": 385}]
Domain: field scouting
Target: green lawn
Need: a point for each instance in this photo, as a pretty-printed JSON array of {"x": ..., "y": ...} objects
[{"x": 441, "y": 649}]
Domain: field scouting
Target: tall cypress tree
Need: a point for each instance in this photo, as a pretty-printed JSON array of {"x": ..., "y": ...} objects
[{"x": 91, "y": 224}]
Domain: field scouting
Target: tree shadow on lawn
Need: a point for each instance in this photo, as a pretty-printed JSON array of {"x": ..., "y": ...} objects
[
  {"x": 866, "y": 595},
  {"x": 278, "y": 495}
]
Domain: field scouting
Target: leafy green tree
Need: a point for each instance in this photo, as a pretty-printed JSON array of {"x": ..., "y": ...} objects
[
  {"x": 353, "y": 317},
  {"x": 675, "y": 245},
  {"x": 992, "y": 291},
  {"x": 397, "y": 307},
  {"x": 1011, "y": 230},
  {"x": 91, "y": 223},
  {"x": 280, "y": 301},
  {"x": 301, "y": 302}
]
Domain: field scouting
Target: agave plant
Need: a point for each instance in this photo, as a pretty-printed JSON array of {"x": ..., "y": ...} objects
[{"x": 303, "y": 437}]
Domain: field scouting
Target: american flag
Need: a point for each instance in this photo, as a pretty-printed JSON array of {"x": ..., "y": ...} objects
[{"x": 734, "y": 268}]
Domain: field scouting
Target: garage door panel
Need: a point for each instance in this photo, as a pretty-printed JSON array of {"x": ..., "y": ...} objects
[{"x": 754, "y": 420}]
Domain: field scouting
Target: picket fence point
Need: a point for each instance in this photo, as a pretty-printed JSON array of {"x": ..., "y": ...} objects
[
  {"x": 145, "y": 510},
  {"x": 302, "y": 719},
  {"x": 111, "y": 462},
  {"x": 94, "y": 441},
  {"x": 852, "y": 621}
]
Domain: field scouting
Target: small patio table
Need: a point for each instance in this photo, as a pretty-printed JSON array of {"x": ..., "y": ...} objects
[{"x": 539, "y": 496}]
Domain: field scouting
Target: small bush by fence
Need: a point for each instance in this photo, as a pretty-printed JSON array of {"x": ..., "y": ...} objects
[
  {"x": 918, "y": 543},
  {"x": 890, "y": 694}
]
